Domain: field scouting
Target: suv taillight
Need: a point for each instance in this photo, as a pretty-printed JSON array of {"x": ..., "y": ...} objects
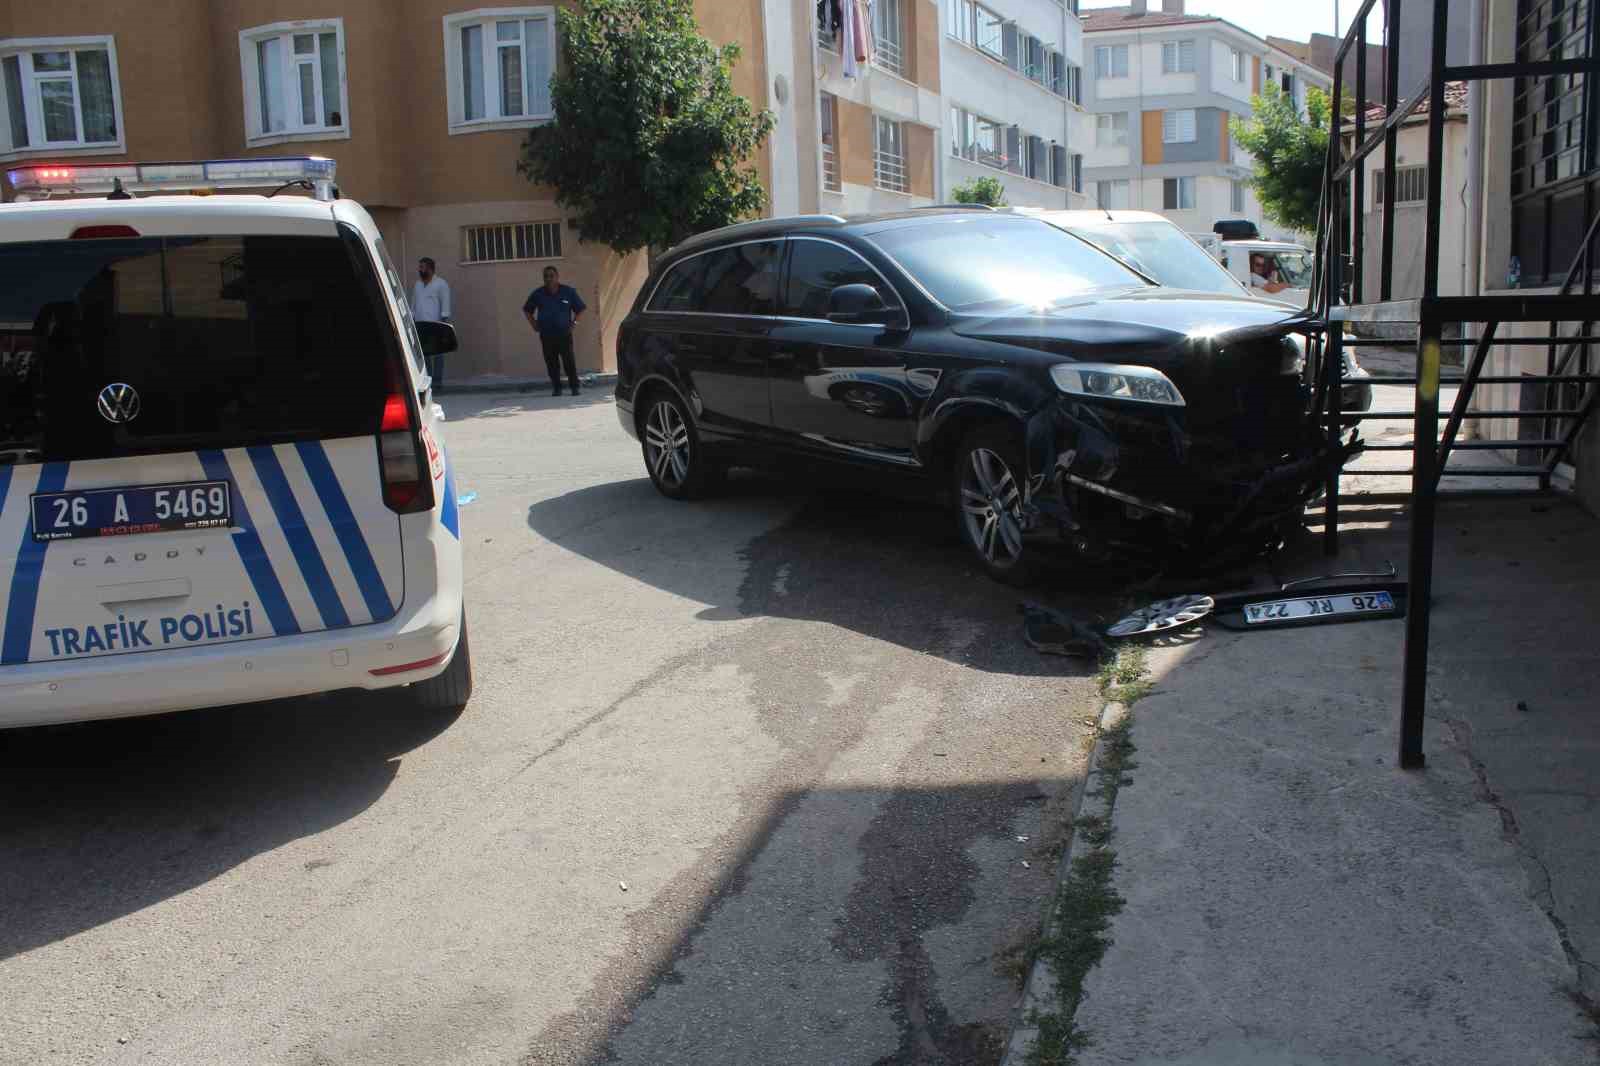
[{"x": 407, "y": 488}]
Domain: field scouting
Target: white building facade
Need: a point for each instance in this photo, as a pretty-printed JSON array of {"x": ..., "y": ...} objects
[
  {"x": 1012, "y": 78},
  {"x": 1162, "y": 87}
]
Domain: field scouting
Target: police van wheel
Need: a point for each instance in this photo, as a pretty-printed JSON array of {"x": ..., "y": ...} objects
[{"x": 451, "y": 690}]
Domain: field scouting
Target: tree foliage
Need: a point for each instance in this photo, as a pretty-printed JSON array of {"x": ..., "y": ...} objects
[
  {"x": 649, "y": 139},
  {"x": 1290, "y": 153},
  {"x": 983, "y": 190}
]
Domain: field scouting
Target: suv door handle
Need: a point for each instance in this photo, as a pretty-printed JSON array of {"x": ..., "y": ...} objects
[{"x": 782, "y": 356}]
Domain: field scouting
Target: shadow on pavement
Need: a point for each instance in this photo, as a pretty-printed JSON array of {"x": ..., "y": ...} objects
[
  {"x": 887, "y": 568},
  {"x": 461, "y": 406},
  {"x": 102, "y": 819}
]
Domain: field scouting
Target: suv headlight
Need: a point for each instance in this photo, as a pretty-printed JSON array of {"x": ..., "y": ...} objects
[{"x": 1106, "y": 381}]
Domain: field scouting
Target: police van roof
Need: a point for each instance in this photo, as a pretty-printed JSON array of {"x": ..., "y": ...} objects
[{"x": 169, "y": 216}]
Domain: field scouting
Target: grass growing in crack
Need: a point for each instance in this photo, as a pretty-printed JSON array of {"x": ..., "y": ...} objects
[
  {"x": 1080, "y": 925},
  {"x": 1124, "y": 677}
]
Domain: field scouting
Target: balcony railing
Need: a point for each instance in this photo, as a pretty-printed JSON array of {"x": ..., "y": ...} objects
[
  {"x": 830, "y": 169},
  {"x": 889, "y": 171}
]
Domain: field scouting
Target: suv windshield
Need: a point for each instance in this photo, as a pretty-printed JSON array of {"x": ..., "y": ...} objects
[
  {"x": 228, "y": 341},
  {"x": 1294, "y": 269},
  {"x": 1160, "y": 250},
  {"x": 972, "y": 263}
]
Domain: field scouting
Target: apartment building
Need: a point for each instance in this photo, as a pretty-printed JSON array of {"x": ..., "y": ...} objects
[
  {"x": 1013, "y": 78},
  {"x": 423, "y": 104},
  {"x": 1162, "y": 86}
]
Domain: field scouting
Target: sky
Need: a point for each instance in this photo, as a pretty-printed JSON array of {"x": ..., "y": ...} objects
[{"x": 1296, "y": 19}]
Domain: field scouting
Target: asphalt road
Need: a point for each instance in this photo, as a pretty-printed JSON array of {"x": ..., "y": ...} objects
[{"x": 743, "y": 780}]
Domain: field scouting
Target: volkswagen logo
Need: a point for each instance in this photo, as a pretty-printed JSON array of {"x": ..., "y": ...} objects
[{"x": 119, "y": 403}]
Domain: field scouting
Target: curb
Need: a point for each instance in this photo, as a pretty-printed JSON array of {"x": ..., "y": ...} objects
[{"x": 1038, "y": 992}]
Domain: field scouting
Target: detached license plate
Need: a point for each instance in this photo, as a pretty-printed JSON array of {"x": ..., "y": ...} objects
[
  {"x": 1319, "y": 607},
  {"x": 127, "y": 511}
]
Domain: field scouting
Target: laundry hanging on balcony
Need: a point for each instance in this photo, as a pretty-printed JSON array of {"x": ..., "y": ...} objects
[
  {"x": 830, "y": 20},
  {"x": 847, "y": 46},
  {"x": 861, "y": 13}
]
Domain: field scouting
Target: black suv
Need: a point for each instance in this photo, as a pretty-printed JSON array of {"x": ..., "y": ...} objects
[{"x": 1039, "y": 384}]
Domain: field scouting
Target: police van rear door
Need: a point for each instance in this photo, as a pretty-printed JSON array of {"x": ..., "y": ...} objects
[{"x": 189, "y": 440}]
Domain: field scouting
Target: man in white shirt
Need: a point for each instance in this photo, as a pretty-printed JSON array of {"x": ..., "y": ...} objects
[{"x": 430, "y": 302}]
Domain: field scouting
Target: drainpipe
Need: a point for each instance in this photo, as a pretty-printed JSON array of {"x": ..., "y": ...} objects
[{"x": 1475, "y": 104}]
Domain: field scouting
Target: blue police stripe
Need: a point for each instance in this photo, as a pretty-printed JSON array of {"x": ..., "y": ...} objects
[
  {"x": 347, "y": 529},
  {"x": 304, "y": 546},
  {"x": 248, "y": 544},
  {"x": 450, "y": 512},
  {"x": 24, "y": 598}
]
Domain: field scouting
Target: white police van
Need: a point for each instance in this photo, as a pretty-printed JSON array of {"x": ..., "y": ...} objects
[{"x": 221, "y": 473}]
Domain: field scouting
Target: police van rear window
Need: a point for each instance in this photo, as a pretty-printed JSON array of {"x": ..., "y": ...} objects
[{"x": 226, "y": 342}]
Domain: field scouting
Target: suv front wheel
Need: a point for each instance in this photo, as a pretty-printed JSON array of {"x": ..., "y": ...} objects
[
  {"x": 989, "y": 473},
  {"x": 672, "y": 453}
]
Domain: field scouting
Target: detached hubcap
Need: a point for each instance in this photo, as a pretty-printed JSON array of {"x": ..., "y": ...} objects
[
  {"x": 667, "y": 444},
  {"x": 991, "y": 504}
]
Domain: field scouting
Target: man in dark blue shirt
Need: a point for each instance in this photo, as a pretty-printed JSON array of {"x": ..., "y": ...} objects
[{"x": 552, "y": 310}]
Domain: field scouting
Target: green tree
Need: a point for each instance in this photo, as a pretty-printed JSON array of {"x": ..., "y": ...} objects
[
  {"x": 649, "y": 139},
  {"x": 983, "y": 190},
  {"x": 1290, "y": 153}
]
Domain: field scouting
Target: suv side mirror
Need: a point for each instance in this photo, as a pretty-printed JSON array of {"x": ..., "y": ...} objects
[
  {"x": 438, "y": 338},
  {"x": 862, "y": 305}
]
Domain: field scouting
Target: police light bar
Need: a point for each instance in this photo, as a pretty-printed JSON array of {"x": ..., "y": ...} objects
[{"x": 101, "y": 179}]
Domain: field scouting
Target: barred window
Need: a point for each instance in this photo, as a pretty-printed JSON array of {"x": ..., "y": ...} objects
[
  {"x": 511, "y": 242},
  {"x": 1410, "y": 186}
]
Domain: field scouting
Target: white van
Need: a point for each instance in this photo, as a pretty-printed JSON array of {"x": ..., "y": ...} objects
[
  {"x": 1287, "y": 265},
  {"x": 222, "y": 478}
]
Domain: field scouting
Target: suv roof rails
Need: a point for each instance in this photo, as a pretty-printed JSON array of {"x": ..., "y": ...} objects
[
  {"x": 756, "y": 224},
  {"x": 953, "y": 207}
]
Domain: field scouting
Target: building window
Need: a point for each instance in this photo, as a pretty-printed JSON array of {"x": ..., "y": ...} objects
[
  {"x": 979, "y": 139},
  {"x": 1077, "y": 172},
  {"x": 1177, "y": 57},
  {"x": 889, "y": 33},
  {"x": 962, "y": 20},
  {"x": 294, "y": 81},
  {"x": 1111, "y": 195},
  {"x": 1111, "y": 131},
  {"x": 1237, "y": 59},
  {"x": 991, "y": 33},
  {"x": 1036, "y": 158},
  {"x": 1177, "y": 194},
  {"x": 1410, "y": 186},
  {"x": 889, "y": 155},
  {"x": 1177, "y": 127},
  {"x": 1033, "y": 61},
  {"x": 1074, "y": 83},
  {"x": 1236, "y": 197},
  {"x": 60, "y": 94},
  {"x": 511, "y": 242},
  {"x": 498, "y": 65},
  {"x": 830, "y": 143},
  {"x": 1111, "y": 61}
]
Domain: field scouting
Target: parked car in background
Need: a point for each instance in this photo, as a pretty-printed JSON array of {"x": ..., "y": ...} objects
[
  {"x": 1152, "y": 245},
  {"x": 1048, "y": 391},
  {"x": 1288, "y": 265}
]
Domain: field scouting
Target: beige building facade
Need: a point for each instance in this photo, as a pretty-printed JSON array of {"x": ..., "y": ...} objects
[{"x": 423, "y": 103}]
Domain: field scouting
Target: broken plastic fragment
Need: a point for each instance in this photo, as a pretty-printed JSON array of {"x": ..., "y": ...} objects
[
  {"x": 465, "y": 498},
  {"x": 623, "y": 885},
  {"x": 1055, "y": 633}
]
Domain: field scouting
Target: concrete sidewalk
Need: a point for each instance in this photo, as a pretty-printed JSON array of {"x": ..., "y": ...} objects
[{"x": 1295, "y": 899}]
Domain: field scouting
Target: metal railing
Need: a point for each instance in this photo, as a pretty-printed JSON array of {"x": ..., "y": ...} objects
[
  {"x": 889, "y": 171},
  {"x": 1341, "y": 234},
  {"x": 830, "y": 169}
]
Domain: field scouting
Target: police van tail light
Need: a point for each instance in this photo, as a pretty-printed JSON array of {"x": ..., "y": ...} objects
[{"x": 407, "y": 488}]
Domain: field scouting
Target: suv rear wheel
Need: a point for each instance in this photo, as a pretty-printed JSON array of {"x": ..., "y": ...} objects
[
  {"x": 989, "y": 473},
  {"x": 672, "y": 454},
  {"x": 451, "y": 690}
]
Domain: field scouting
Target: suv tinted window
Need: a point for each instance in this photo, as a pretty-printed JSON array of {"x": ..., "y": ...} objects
[
  {"x": 816, "y": 268},
  {"x": 229, "y": 341},
  {"x": 680, "y": 289},
  {"x": 742, "y": 280},
  {"x": 1001, "y": 262}
]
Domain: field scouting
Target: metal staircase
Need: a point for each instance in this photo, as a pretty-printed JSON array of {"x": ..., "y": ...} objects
[{"x": 1570, "y": 386}]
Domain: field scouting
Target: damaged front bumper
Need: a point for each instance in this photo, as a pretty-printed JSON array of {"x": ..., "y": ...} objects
[{"x": 1127, "y": 480}]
